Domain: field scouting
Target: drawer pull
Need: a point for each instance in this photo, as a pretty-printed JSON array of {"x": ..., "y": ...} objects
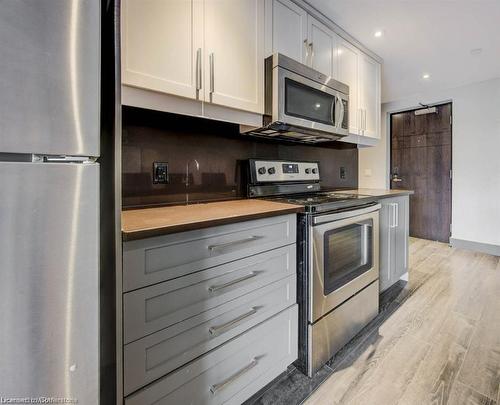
[
  {"x": 216, "y": 329},
  {"x": 234, "y": 243},
  {"x": 217, "y": 387},
  {"x": 230, "y": 283}
]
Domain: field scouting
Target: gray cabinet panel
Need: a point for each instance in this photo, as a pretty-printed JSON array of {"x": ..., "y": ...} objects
[
  {"x": 234, "y": 371},
  {"x": 156, "y": 307},
  {"x": 401, "y": 236},
  {"x": 154, "y": 356},
  {"x": 153, "y": 260},
  {"x": 394, "y": 234}
]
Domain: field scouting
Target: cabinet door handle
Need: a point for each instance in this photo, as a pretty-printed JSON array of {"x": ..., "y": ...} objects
[
  {"x": 215, "y": 288},
  {"x": 306, "y": 46},
  {"x": 198, "y": 69},
  {"x": 311, "y": 46},
  {"x": 217, "y": 329},
  {"x": 234, "y": 243},
  {"x": 396, "y": 215},
  {"x": 217, "y": 387},
  {"x": 212, "y": 75}
]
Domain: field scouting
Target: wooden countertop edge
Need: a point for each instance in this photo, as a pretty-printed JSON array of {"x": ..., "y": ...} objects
[{"x": 191, "y": 226}]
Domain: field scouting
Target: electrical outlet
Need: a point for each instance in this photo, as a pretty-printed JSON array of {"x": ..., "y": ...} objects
[
  {"x": 343, "y": 172},
  {"x": 160, "y": 172}
]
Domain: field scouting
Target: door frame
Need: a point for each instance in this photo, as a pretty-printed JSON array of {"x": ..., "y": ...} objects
[{"x": 389, "y": 115}]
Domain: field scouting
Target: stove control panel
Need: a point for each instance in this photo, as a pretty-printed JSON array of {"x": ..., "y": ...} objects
[{"x": 279, "y": 171}]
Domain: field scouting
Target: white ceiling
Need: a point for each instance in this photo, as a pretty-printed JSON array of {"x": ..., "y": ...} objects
[{"x": 423, "y": 36}]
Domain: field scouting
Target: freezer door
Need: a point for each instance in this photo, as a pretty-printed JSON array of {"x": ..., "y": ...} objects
[
  {"x": 49, "y": 290},
  {"x": 49, "y": 76}
]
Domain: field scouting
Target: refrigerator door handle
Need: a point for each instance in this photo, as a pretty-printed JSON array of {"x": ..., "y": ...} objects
[{"x": 62, "y": 159}]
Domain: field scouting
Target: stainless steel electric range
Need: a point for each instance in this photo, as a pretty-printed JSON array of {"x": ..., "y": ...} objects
[{"x": 338, "y": 256}]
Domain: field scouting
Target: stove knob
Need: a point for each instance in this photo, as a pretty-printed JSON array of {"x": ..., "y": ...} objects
[
  {"x": 308, "y": 171},
  {"x": 271, "y": 170},
  {"x": 315, "y": 171},
  {"x": 262, "y": 170}
]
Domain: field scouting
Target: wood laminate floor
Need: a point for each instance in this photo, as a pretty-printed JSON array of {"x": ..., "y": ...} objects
[{"x": 438, "y": 342}]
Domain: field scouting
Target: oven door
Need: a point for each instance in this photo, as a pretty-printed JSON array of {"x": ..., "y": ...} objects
[
  {"x": 302, "y": 102},
  {"x": 345, "y": 257}
]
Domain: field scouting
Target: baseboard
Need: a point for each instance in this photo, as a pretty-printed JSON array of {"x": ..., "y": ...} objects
[{"x": 476, "y": 246}]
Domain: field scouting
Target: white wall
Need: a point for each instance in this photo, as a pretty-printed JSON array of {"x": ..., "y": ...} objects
[{"x": 476, "y": 158}]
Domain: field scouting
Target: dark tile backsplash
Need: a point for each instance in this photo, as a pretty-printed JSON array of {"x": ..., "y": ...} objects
[{"x": 215, "y": 152}]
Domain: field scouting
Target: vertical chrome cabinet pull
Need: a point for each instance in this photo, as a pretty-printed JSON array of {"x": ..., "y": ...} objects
[
  {"x": 212, "y": 77},
  {"x": 311, "y": 47},
  {"x": 215, "y": 288},
  {"x": 306, "y": 46},
  {"x": 233, "y": 243},
  {"x": 198, "y": 69},
  {"x": 217, "y": 387},
  {"x": 396, "y": 215},
  {"x": 217, "y": 329}
]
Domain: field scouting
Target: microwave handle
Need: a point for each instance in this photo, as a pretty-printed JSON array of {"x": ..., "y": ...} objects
[
  {"x": 336, "y": 101},
  {"x": 342, "y": 112}
]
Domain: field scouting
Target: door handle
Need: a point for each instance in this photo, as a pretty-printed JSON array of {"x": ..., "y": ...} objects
[
  {"x": 212, "y": 74},
  {"x": 216, "y": 329},
  {"x": 306, "y": 46},
  {"x": 215, "y": 288},
  {"x": 217, "y": 387},
  {"x": 198, "y": 70},
  {"x": 234, "y": 243},
  {"x": 311, "y": 46}
]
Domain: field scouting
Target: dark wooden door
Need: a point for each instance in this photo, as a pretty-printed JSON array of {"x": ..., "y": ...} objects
[{"x": 421, "y": 161}]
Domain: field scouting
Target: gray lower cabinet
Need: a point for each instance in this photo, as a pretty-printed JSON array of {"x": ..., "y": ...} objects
[
  {"x": 394, "y": 239},
  {"x": 233, "y": 372},
  {"x": 149, "y": 358},
  {"x": 153, "y": 260},
  {"x": 209, "y": 316}
]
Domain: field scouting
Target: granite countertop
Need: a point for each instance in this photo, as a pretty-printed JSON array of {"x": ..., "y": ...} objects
[
  {"x": 148, "y": 222},
  {"x": 376, "y": 192}
]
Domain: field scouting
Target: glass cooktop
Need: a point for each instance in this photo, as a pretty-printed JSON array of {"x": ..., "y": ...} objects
[{"x": 325, "y": 201}]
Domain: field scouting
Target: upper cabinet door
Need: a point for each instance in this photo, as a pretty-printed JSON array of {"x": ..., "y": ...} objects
[
  {"x": 234, "y": 54},
  {"x": 286, "y": 29},
  {"x": 369, "y": 76},
  {"x": 162, "y": 45},
  {"x": 322, "y": 47},
  {"x": 348, "y": 73}
]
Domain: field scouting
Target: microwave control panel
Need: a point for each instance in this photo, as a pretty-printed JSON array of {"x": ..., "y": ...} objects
[{"x": 277, "y": 171}]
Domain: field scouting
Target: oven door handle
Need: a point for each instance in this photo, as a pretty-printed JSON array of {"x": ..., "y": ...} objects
[{"x": 346, "y": 214}]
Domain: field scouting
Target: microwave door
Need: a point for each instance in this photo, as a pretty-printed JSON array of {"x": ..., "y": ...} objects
[{"x": 304, "y": 103}]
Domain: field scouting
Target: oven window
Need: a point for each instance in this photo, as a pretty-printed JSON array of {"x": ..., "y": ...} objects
[
  {"x": 305, "y": 102},
  {"x": 348, "y": 254}
]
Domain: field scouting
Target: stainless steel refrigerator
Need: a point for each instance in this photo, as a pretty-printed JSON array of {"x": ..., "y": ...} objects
[{"x": 49, "y": 199}]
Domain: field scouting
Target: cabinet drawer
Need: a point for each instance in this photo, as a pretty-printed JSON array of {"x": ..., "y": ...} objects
[
  {"x": 150, "y": 261},
  {"x": 153, "y": 308},
  {"x": 149, "y": 358},
  {"x": 233, "y": 372}
]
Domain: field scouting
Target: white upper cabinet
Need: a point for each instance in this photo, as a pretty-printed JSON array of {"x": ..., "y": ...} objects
[
  {"x": 161, "y": 45},
  {"x": 234, "y": 54},
  {"x": 286, "y": 29},
  {"x": 322, "y": 47},
  {"x": 369, "y": 95},
  {"x": 348, "y": 74}
]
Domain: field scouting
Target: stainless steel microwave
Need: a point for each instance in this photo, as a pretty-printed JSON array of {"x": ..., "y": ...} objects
[{"x": 302, "y": 104}]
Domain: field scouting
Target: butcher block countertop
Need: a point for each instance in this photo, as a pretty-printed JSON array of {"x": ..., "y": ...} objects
[{"x": 148, "y": 222}]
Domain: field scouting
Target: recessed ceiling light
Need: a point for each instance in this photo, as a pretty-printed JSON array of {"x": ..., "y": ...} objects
[
  {"x": 476, "y": 51},
  {"x": 378, "y": 34},
  {"x": 426, "y": 76}
]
